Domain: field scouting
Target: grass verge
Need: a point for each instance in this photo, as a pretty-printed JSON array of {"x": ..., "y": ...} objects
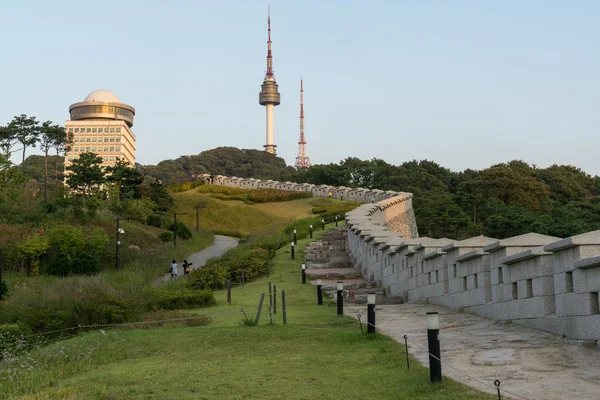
[{"x": 316, "y": 355}]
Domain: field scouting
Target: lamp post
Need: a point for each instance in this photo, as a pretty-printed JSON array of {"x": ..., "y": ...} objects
[
  {"x": 303, "y": 273},
  {"x": 336, "y": 218},
  {"x": 371, "y": 313},
  {"x": 295, "y": 239},
  {"x": 433, "y": 341},
  {"x": 323, "y": 224},
  {"x": 340, "y": 298},
  {"x": 319, "y": 292},
  {"x": 292, "y": 250},
  {"x": 175, "y": 228},
  {"x": 311, "y": 231}
]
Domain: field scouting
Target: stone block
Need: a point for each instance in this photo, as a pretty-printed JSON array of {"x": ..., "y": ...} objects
[
  {"x": 576, "y": 327},
  {"x": 560, "y": 283},
  {"x": 580, "y": 282},
  {"x": 593, "y": 279},
  {"x": 572, "y": 304},
  {"x": 525, "y": 288},
  {"x": 497, "y": 293},
  {"x": 543, "y": 286}
]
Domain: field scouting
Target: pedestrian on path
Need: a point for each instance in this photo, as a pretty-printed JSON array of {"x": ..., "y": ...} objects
[
  {"x": 186, "y": 267},
  {"x": 173, "y": 270}
]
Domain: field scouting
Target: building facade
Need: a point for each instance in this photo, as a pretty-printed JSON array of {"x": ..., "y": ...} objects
[{"x": 101, "y": 124}]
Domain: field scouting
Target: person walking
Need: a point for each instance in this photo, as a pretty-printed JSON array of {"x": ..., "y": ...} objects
[
  {"x": 173, "y": 270},
  {"x": 187, "y": 267}
]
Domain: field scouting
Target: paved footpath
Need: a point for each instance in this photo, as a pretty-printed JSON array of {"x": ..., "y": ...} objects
[
  {"x": 219, "y": 246},
  {"x": 530, "y": 363}
]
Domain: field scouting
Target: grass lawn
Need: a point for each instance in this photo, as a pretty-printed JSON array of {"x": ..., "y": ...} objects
[{"x": 317, "y": 355}]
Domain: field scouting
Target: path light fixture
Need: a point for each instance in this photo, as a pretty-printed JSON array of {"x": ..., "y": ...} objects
[
  {"x": 319, "y": 292},
  {"x": 433, "y": 341},
  {"x": 371, "y": 299},
  {"x": 340, "y": 298},
  {"x": 303, "y": 273}
]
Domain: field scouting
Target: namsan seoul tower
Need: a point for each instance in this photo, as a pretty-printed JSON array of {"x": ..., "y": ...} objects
[
  {"x": 302, "y": 160},
  {"x": 269, "y": 94}
]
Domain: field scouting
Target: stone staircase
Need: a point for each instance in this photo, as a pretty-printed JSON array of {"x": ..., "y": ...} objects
[{"x": 327, "y": 259}]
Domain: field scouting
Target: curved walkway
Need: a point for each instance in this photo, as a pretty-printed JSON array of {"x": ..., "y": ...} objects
[{"x": 217, "y": 249}]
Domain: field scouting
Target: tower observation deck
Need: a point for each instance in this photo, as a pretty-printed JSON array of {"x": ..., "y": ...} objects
[{"x": 269, "y": 94}]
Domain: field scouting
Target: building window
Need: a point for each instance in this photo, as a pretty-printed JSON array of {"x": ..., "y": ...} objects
[
  {"x": 112, "y": 139},
  {"x": 87, "y": 139},
  {"x": 76, "y": 149},
  {"x": 70, "y": 130},
  {"x": 94, "y": 139},
  {"x": 105, "y": 140},
  {"x": 87, "y": 148},
  {"x": 117, "y": 148},
  {"x": 112, "y": 148},
  {"x": 105, "y": 130},
  {"x": 111, "y": 158},
  {"x": 93, "y": 148},
  {"x": 105, "y": 148},
  {"x": 76, "y": 130},
  {"x": 93, "y": 130},
  {"x": 70, "y": 158},
  {"x": 88, "y": 130},
  {"x": 112, "y": 130},
  {"x": 118, "y": 139},
  {"x": 118, "y": 130}
]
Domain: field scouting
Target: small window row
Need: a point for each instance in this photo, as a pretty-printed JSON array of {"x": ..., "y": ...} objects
[
  {"x": 94, "y": 130},
  {"x": 105, "y": 139}
]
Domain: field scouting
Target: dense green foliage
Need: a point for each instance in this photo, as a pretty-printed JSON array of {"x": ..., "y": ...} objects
[
  {"x": 500, "y": 201},
  {"x": 228, "y": 161}
]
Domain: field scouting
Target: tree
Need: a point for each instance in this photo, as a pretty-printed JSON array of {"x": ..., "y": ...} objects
[
  {"x": 567, "y": 183},
  {"x": 50, "y": 134},
  {"x": 27, "y": 131},
  {"x": 126, "y": 178},
  {"x": 86, "y": 173},
  {"x": 8, "y": 140},
  {"x": 62, "y": 143}
]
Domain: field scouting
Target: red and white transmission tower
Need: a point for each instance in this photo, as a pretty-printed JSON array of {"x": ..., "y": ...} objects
[{"x": 302, "y": 160}]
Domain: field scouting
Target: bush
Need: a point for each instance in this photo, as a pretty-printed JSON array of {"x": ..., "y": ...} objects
[
  {"x": 273, "y": 195},
  {"x": 58, "y": 264},
  {"x": 66, "y": 239},
  {"x": 86, "y": 264},
  {"x": 166, "y": 236},
  {"x": 154, "y": 220},
  {"x": 179, "y": 299},
  {"x": 3, "y": 289},
  {"x": 183, "y": 232},
  {"x": 319, "y": 210}
]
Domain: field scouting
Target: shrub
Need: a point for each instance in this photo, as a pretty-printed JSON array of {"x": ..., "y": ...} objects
[
  {"x": 183, "y": 232},
  {"x": 166, "y": 236},
  {"x": 177, "y": 299},
  {"x": 86, "y": 264},
  {"x": 154, "y": 220},
  {"x": 319, "y": 210},
  {"x": 66, "y": 239},
  {"x": 58, "y": 264},
  {"x": 3, "y": 289},
  {"x": 273, "y": 195}
]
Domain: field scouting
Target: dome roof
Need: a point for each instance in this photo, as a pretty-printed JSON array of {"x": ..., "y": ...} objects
[{"x": 102, "y": 95}]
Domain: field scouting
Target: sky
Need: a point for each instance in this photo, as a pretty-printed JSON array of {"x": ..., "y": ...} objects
[{"x": 466, "y": 84}]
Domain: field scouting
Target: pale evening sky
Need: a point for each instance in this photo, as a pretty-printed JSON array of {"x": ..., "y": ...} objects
[{"x": 464, "y": 83}]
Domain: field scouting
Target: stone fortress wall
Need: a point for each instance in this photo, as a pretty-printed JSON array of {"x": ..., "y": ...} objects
[{"x": 539, "y": 281}]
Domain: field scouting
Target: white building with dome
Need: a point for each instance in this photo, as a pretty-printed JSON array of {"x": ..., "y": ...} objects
[{"x": 101, "y": 124}]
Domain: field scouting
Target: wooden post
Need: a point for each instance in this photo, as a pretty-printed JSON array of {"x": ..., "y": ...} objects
[
  {"x": 270, "y": 296},
  {"x": 262, "y": 297},
  {"x": 283, "y": 306},
  {"x": 274, "y": 299}
]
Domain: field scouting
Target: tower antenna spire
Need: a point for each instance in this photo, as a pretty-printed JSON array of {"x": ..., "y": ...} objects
[
  {"x": 269, "y": 51},
  {"x": 302, "y": 159}
]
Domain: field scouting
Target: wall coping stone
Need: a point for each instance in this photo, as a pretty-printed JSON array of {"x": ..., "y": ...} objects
[
  {"x": 588, "y": 262},
  {"x": 588, "y": 238},
  {"x": 477, "y": 241},
  {"x": 433, "y": 254},
  {"x": 524, "y": 255},
  {"x": 526, "y": 240},
  {"x": 471, "y": 255}
]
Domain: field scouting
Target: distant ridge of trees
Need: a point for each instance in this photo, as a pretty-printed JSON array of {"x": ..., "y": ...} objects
[{"x": 503, "y": 200}]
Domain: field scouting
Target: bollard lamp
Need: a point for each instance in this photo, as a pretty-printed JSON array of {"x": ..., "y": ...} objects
[
  {"x": 340, "y": 285},
  {"x": 303, "y": 266},
  {"x": 433, "y": 320},
  {"x": 319, "y": 282},
  {"x": 371, "y": 298}
]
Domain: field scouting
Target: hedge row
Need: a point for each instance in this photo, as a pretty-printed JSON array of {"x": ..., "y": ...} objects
[{"x": 184, "y": 187}]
